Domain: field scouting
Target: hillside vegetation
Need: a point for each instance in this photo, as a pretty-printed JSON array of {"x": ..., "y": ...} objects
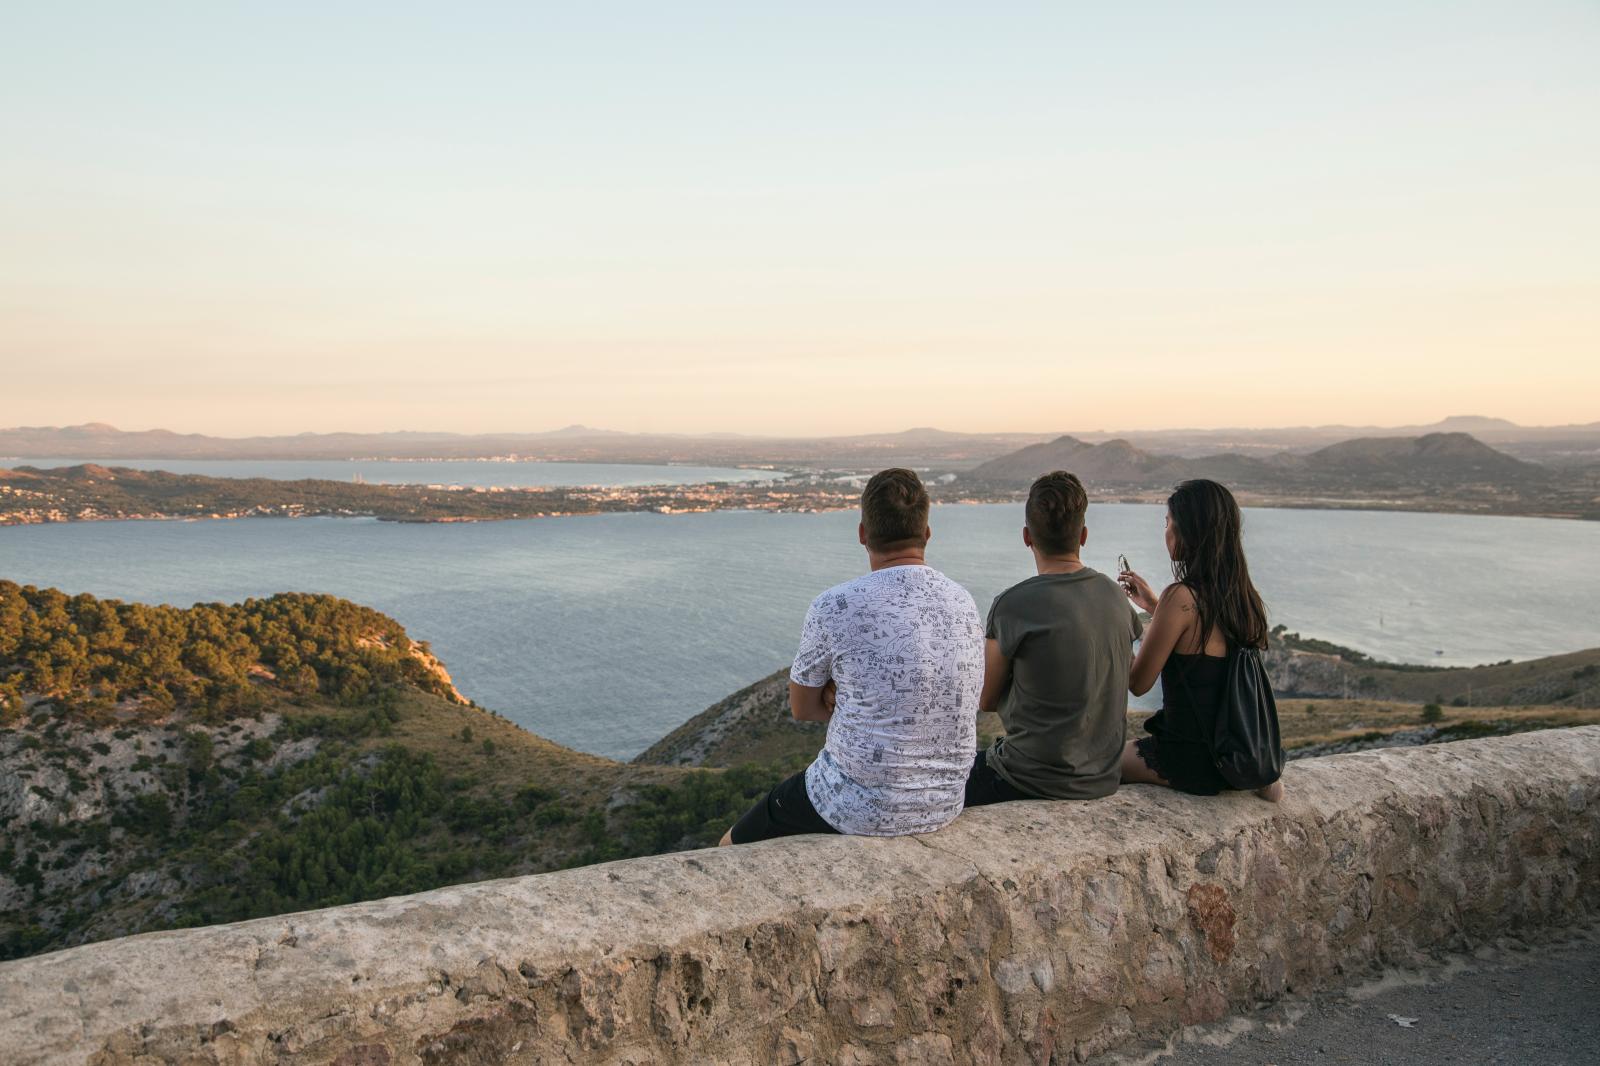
[
  {"x": 107, "y": 659},
  {"x": 163, "y": 767}
]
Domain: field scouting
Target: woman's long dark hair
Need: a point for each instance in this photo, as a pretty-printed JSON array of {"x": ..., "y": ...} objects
[{"x": 1210, "y": 563}]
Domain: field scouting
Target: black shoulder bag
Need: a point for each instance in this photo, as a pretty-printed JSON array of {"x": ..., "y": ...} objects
[{"x": 1243, "y": 732}]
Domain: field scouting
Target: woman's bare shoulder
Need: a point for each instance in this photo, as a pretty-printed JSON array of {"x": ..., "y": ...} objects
[{"x": 1178, "y": 596}]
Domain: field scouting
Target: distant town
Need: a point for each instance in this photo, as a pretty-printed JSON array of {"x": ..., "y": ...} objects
[{"x": 91, "y": 493}]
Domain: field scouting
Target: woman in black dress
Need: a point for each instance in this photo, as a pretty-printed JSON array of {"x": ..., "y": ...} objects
[{"x": 1208, "y": 610}]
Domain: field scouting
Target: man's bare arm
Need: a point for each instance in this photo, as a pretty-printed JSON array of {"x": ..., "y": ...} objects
[
  {"x": 996, "y": 674},
  {"x": 809, "y": 704}
]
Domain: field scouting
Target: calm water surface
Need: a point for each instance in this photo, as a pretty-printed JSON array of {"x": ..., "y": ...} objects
[
  {"x": 605, "y": 632},
  {"x": 464, "y": 472}
]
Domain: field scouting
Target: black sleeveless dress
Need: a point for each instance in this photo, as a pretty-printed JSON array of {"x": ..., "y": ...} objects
[{"x": 1176, "y": 748}]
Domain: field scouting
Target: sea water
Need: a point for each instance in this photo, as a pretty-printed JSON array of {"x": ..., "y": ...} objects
[{"x": 605, "y": 632}]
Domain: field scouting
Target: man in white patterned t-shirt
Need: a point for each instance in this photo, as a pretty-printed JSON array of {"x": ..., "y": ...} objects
[{"x": 893, "y": 662}]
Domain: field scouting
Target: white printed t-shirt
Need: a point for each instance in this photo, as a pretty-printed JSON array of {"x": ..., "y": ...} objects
[{"x": 904, "y": 645}]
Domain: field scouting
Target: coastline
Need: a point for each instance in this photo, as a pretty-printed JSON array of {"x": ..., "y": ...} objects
[
  {"x": 91, "y": 492},
  {"x": 1246, "y": 500}
]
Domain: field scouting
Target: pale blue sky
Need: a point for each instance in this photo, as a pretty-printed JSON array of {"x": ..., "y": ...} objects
[{"x": 273, "y": 218}]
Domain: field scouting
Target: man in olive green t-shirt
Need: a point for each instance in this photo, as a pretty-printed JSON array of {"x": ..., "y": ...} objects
[{"x": 1056, "y": 664}]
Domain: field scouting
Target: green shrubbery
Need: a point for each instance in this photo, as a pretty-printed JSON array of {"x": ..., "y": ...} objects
[
  {"x": 357, "y": 833},
  {"x": 214, "y": 660},
  {"x": 345, "y": 825},
  {"x": 692, "y": 813}
]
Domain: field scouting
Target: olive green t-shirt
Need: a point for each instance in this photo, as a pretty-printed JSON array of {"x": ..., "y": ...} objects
[{"x": 1070, "y": 641}]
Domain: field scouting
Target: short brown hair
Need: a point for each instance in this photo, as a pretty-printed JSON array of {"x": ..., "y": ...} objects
[
  {"x": 894, "y": 508},
  {"x": 1056, "y": 505}
]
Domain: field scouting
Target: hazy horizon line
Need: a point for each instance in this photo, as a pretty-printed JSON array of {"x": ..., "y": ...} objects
[{"x": 577, "y": 428}]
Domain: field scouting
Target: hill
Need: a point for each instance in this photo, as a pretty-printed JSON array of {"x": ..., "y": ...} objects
[
  {"x": 1433, "y": 472},
  {"x": 1435, "y": 458},
  {"x": 1454, "y": 457},
  {"x": 1525, "y": 442},
  {"x": 1115, "y": 461},
  {"x": 753, "y": 724},
  {"x": 163, "y": 767}
]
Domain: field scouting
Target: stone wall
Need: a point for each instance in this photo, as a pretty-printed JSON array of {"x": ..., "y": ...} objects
[{"x": 1026, "y": 933}]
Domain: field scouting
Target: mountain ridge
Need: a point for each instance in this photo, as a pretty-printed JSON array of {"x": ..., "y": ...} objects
[
  {"x": 100, "y": 440},
  {"x": 1453, "y": 452},
  {"x": 1452, "y": 457}
]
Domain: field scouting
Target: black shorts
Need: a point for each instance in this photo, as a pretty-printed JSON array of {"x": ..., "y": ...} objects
[
  {"x": 985, "y": 785},
  {"x": 1185, "y": 765},
  {"x": 783, "y": 812}
]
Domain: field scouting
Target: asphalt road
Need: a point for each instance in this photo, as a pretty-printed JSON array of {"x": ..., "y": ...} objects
[{"x": 1520, "y": 1006}]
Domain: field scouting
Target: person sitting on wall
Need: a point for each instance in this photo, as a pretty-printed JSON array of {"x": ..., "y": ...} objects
[
  {"x": 1057, "y": 653},
  {"x": 1210, "y": 609},
  {"x": 893, "y": 662}
]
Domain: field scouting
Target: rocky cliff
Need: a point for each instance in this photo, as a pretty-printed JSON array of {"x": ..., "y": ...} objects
[
  {"x": 729, "y": 729},
  {"x": 1570, "y": 680}
]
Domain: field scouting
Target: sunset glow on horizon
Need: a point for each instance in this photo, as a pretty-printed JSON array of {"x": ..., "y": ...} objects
[{"x": 1030, "y": 217}]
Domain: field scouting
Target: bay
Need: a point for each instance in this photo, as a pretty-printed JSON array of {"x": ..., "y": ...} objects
[{"x": 604, "y": 632}]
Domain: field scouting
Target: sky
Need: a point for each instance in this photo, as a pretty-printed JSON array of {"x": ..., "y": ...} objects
[{"x": 824, "y": 218}]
